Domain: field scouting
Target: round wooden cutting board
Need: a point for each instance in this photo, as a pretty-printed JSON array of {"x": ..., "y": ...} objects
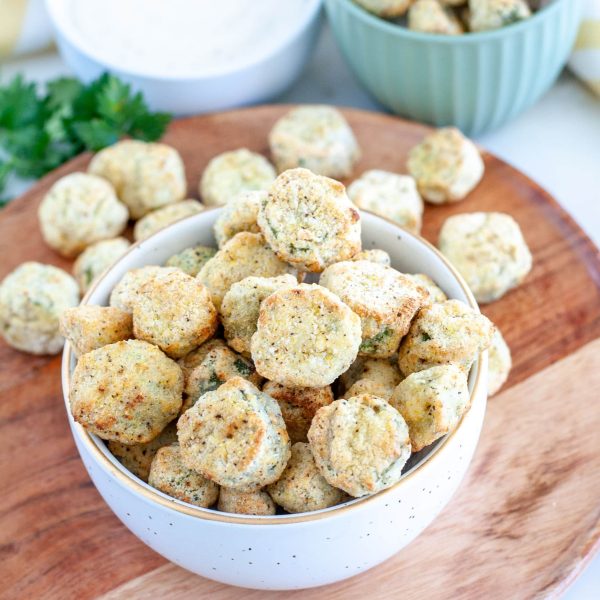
[{"x": 525, "y": 520}]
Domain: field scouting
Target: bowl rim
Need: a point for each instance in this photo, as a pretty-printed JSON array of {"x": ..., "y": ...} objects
[
  {"x": 65, "y": 29},
  {"x": 137, "y": 486},
  {"x": 402, "y": 31}
]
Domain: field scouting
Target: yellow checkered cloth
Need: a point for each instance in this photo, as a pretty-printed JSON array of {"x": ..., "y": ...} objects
[{"x": 585, "y": 60}]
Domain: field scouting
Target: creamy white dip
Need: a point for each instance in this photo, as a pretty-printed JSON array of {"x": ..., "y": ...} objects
[{"x": 184, "y": 37}]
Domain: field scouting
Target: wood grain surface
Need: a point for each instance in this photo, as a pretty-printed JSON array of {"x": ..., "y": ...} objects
[{"x": 522, "y": 525}]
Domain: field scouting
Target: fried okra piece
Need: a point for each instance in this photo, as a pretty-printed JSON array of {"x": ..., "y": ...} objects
[
  {"x": 241, "y": 305},
  {"x": 432, "y": 403},
  {"x": 79, "y": 210},
  {"x": 89, "y": 327},
  {"x": 220, "y": 364},
  {"x": 448, "y": 332},
  {"x": 246, "y": 503},
  {"x": 446, "y": 166},
  {"x": 174, "y": 311},
  {"x": 298, "y": 406},
  {"x": 146, "y": 176},
  {"x": 233, "y": 173},
  {"x": 244, "y": 255},
  {"x": 373, "y": 376},
  {"x": 389, "y": 195},
  {"x": 169, "y": 474},
  {"x": 239, "y": 214},
  {"x": 137, "y": 458},
  {"x": 127, "y": 391},
  {"x": 162, "y": 217},
  {"x": 385, "y": 300},
  {"x": 493, "y": 14},
  {"x": 489, "y": 251},
  {"x": 306, "y": 337},
  {"x": 309, "y": 221},
  {"x": 126, "y": 293},
  {"x": 235, "y": 436},
  {"x": 301, "y": 487},
  {"x": 360, "y": 445},
  {"x": 95, "y": 259},
  {"x": 431, "y": 16},
  {"x": 32, "y": 298},
  {"x": 315, "y": 137},
  {"x": 388, "y": 9},
  {"x": 191, "y": 260},
  {"x": 499, "y": 363}
]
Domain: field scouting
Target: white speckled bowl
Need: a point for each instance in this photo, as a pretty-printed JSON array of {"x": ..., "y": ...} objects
[{"x": 288, "y": 551}]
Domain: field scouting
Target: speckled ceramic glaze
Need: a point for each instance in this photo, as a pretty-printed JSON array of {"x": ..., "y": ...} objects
[
  {"x": 288, "y": 551},
  {"x": 476, "y": 81}
]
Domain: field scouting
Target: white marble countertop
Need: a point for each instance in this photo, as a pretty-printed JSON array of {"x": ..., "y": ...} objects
[{"x": 556, "y": 143}]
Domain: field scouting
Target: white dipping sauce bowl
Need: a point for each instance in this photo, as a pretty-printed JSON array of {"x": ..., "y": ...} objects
[
  {"x": 246, "y": 83},
  {"x": 288, "y": 551}
]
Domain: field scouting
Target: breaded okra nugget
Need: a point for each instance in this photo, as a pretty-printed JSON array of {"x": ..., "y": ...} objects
[
  {"x": 434, "y": 292},
  {"x": 388, "y": 9},
  {"x": 316, "y": 137},
  {"x": 145, "y": 175},
  {"x": 360, "y": 445},
  {"x": 95, "y": 259},
  {"x": 309, "y": 221},
  {"x": 374, "y": 255},
  {"x": 499, "y": 363},
  {"x": 235, "y": 436},
  {"x": 432, "y": 402},
  {"x": 298, "y": 406},
  {"x": 79, "y": 210},
  {"x": 233, "y": 173},
  {"x": 195, "y": 357},
  {"x": 191, "y": 260},
  {"x": 489, "y": 251},
  {"x": 389, "y": 195},
  {"x": 239, "y": 214},
  {"x": 241, "y": 304},
  {"x": 128, "y": 391},
  {"x": 244, "y": 255},
  {"x": 448, "y": 332},
  {"x": 446, "y": 166},
  {"x": 32, "y": 298},
  {"x": 137, "y": 458},
  {"x": 306, "y": 337},
  {"x": 384, "y": 299},
  {"x": 127, "y": 291},
  {"x": 301, "y": 487},
  {"x": 89, "y": 327},
  {"x": 430, "y": 16},
  {"x": 220, "y": 364},
  {"x": 160, "y": 218},
  {"x": 169, "y": 475},
  {"x": 493, "y": 14},
  {"x": 246, "y": 503},
  {"x": 175, "y": 312},
  {"x": 374, "y": 376}
]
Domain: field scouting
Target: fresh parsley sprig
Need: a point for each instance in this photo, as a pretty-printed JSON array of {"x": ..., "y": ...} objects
[{"x": 40, "y": 131}]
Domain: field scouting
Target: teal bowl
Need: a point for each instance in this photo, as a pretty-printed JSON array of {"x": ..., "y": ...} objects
[{"x": 476, "y": 81}]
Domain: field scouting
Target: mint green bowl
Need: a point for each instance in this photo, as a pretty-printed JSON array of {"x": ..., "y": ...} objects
[{"x": 476, "y": 81}]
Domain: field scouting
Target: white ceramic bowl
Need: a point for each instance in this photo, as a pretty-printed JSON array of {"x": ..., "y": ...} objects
[
  {"x": 288, "y": 551},
  {"x": 248, "y": 83}
]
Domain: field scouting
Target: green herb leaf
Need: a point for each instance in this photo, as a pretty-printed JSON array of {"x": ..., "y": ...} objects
[
  {"x": 96, "y": 134},
  {"x": 38, "y": 132}
]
